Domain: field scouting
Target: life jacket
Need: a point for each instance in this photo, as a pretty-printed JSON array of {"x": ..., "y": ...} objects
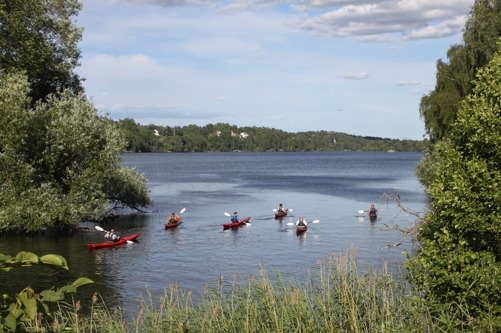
[
  {"x": 234, "y": 219},
  {"x": 112, "y": 237},
  {"x": 173, "y": 219},
  {"x": 301, "y": 223}
]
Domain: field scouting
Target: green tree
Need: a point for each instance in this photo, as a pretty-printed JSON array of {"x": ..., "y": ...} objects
[
  {"x": 59, "y": 161},
  {"x": 460, "y": 258},
  {"x": 483, "y": 28},
  {"x": 137, "y": 136},
  {"x": 38, "y": 38}
]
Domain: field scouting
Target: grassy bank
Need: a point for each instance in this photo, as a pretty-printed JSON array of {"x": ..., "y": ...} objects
[{"x": 337, "y": 298}]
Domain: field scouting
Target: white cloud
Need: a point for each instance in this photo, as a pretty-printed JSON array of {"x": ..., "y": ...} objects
[
  {"x": 236, "y": 7},
  {"x": 390, "y": 20},
  {"x": 409, "y": 83},
  {"x": 275, "y": 117},
  {"x": 324, "y": 4},
  {"x": 356, "y": 76},
  {"x": 366, "y": 20},
  {"x": 174, "y": 3},
  {"x": 446, "y": 28}
]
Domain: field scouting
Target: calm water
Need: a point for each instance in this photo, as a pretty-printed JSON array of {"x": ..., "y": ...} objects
[{"x": 328, "y": 186}]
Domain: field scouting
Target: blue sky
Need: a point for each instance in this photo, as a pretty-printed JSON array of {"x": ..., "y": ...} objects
[{"x": 359, "y": 67}]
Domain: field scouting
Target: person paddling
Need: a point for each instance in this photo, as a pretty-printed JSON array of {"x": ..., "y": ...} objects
[
  {"x": 235, "y": 218},
  {"x": 111, "y": 236},
  {"x": 281, "y": 209},
  {"x": 173, "y": 219},
  {"x": 373, "y": 210},
  {"x": 301, "y": 222}
]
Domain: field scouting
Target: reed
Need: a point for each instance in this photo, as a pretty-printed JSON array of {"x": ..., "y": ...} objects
[{"x": 335, "y": 298}]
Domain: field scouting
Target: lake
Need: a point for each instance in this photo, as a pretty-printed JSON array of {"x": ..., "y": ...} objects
[{"x": 327, "y": 186}]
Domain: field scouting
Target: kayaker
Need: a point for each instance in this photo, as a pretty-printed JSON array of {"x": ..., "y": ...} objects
[
  {"x": 173, "y": 219},
  {"x": 302, "y": 222},
  {"x": 111, "y": 236},
  {"x": 281, "y": 209},
  {"x": 235, "y": 218},
  {"x": 373, "y": 210}
]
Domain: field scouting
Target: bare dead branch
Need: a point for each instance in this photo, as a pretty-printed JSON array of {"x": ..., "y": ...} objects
[{"x": 408, "y": 232}]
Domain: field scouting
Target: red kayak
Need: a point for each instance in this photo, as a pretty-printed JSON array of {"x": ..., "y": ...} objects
[
  {"x": 301, "y": 228},
  {"x": 120, "y": 241},
  {"x": 173, "y": 225},
  {"x": 282, "y": 214},
  {"x": 236, "y": 224}
]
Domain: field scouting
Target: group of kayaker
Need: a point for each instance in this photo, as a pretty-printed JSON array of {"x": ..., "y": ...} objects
[
  {"x": 281, "y": 211},
  {"x": 111, "y": 236}
]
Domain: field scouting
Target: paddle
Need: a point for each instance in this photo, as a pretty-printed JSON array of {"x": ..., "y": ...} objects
[
  {"x": 366, "y": 211},
  {"x": 314, "y": 221},
  {"x": 228, "y": 214},
  {"x": 101, "y": 229},
  {"x": 276, "y": 210}
]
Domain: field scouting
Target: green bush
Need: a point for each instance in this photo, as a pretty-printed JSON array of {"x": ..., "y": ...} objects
[{"x": 460, "y": 258}]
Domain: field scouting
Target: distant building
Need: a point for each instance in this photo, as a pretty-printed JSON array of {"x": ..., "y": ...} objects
[
  {"x": 243, "y": 135},
  {"x": 155, "y": 132}
]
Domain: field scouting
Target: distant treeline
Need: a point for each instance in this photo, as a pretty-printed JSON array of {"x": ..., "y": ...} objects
[{"x": 225, "y": 137}]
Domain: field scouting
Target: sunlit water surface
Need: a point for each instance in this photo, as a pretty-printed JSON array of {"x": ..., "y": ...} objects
[{"x": 327, "y": 186}]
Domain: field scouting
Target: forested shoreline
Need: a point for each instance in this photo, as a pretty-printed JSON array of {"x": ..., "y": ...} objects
[{"x": 225, "y": 137}]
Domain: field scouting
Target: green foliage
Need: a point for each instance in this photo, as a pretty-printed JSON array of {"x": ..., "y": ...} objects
[
  {"x": 483, "y": 28},
  {"x": 25, "y": 306},
  {"x": 460, "y": 261},
  {"x": 336, "y": 298},
  {"x": 26, "y": 259},
  {"x": 60, "y": 161},
  {"x": 218, "y": 137},
  {"x": 37, "y": 37}
]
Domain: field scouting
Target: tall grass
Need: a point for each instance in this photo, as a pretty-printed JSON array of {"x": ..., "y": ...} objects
[{"x": 336, "y": 298}]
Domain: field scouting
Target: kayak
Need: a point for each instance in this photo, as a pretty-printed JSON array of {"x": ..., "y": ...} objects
[
  {"x": 173, "y": 225},
  {"x": 373, "y": 215},
  {"x": 120, "y": 241},
  {"x": 300, "y": 230},
  {"x": 236, "y": 224},
  {"x": 282, "y": 214}
]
